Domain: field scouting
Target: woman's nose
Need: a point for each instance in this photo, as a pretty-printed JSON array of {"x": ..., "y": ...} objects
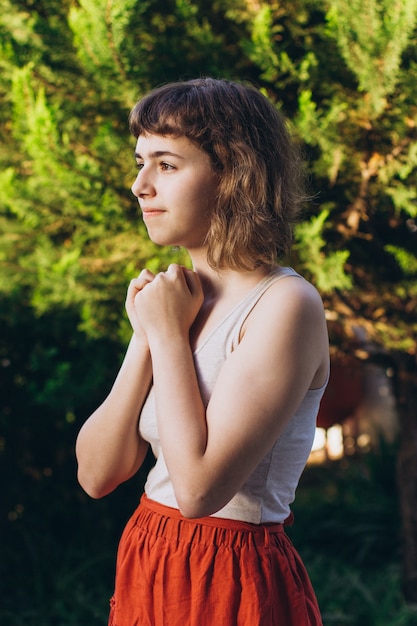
[
  {"x": 142, "y": 185},
  {"x": 135, "y": 187}
]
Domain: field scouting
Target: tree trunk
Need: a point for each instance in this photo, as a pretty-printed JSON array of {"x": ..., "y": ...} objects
[{"x": 406, "y": 395}]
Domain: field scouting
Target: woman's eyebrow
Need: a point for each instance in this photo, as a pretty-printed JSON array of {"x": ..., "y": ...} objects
[{"x": 159, "y": 153}]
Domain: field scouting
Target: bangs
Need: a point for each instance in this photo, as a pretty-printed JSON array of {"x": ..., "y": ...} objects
[
  {"x": 187, "y": 109},
  {"x": 163, "y": 112}
]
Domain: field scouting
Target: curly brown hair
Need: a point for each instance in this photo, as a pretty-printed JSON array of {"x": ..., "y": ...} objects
[{"x": 260, "y": 169}]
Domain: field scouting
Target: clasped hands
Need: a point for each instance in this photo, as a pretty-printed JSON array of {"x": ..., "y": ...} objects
[{"x": 164, "y": 304}]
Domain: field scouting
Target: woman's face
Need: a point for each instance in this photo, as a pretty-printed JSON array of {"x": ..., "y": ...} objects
[{"x": 176, "y": 187}]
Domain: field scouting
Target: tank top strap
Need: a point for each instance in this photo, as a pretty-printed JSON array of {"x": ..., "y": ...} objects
[
  {"x": 242, "y": 311},
  {"x": 257, "y": 292}
]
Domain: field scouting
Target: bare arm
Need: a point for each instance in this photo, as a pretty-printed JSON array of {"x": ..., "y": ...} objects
[
  {"x": 109, "y": 448},
  {"x": 284, "y": 351}
]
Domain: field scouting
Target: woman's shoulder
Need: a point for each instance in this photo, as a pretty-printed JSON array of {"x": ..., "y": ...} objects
[
  {"x": 286, "y": 300},
  {"x": 292, "y": 311},
  {"x": 285, "y": 280},
  {"x": 284, "y": 314}
]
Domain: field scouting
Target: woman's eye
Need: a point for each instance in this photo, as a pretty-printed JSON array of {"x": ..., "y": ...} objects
[{"x": 165, "y": 167}]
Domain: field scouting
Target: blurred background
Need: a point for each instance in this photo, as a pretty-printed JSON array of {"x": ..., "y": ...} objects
[{"x": 344, "y": 72}]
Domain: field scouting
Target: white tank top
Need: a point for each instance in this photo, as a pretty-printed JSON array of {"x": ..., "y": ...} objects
[{"x": 268, "y": 492}]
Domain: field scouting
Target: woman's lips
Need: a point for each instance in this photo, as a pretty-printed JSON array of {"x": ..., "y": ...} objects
[{"x": 152, "y": 212}]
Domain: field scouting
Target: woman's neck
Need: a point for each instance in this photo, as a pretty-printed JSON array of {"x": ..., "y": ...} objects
[{"x": 220, "y": 283}]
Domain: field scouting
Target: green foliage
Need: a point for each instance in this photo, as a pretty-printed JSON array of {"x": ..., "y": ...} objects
[
  {"x": 405, "y": 260},
  {"x": 372, "y": 37},
  {"x": 100, "y": 30},
  {"x": 323, "y": 129},
  {"x": 397, "y": 174},
  {"x": 261, "y": 48},
  {"x": 327, "y": 270}
]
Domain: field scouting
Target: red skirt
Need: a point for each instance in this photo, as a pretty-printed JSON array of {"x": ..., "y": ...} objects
[{"x": 174, "y": 571}]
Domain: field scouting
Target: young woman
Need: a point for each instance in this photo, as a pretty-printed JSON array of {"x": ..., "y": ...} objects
[{"x": 223, "y": 375}]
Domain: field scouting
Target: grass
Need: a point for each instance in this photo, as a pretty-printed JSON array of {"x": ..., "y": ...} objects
[{"x": 58, "y": 555}]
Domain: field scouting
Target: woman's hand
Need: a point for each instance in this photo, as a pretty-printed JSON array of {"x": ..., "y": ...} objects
[
  {"x": 136, "y": 285},
  {"x": 169, "y": 304}
]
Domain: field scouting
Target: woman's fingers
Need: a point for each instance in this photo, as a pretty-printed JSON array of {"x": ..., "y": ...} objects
[
  {"x": 136, "y": 285},
  {"x": 145, "y": 277},
  {"x": 192, "y": 279},
  {"x": 193, "y": 282}
]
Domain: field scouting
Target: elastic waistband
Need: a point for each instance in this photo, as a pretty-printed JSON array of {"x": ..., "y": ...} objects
[{"x": 172, "y": 523}]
